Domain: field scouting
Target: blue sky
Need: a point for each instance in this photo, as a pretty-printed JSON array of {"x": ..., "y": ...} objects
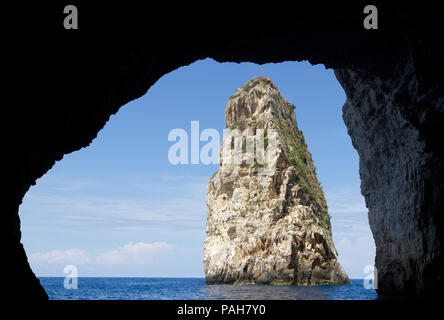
[{"x": 119, "y": 208}]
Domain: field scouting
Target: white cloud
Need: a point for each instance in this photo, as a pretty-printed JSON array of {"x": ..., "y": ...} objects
[
  {"x": 181, "y": 212},
  {"x": 142, "y": 205},
  {"x": 139, "y": 253},
  {"x": 345, "y": 200},
  {"x": 62, "y": 257},
  {"x": 132, "y": 259},
  {"x": 355, "y": 254},
  {"x": 351, "y": 231}
]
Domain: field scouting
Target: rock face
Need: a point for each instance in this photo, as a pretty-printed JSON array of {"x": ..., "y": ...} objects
[
  {"x": 402, "y": 193},
  {"x": 267, "y": 226}
]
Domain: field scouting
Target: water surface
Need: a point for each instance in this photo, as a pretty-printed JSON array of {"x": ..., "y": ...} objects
[{"x": 197, "y": 289}]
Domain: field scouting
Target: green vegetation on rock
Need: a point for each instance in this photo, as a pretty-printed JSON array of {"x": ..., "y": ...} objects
[{"x": 298, "y": 156}]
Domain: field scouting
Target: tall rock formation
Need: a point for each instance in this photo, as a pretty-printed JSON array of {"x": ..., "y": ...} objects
[{"x": 267, "y": 223}]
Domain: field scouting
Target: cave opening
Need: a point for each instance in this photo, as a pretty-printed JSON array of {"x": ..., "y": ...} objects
[{"x": 118, "y": 208}]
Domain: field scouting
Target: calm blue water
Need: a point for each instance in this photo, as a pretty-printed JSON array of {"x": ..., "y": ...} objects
[{"x": 196, "y": 289}]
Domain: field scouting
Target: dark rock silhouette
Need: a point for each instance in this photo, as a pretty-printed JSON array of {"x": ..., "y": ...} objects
[{"x": 65, "y": 84}]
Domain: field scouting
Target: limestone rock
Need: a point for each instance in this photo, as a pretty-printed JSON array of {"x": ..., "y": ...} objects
[
  {"x": 405, "y": 215},
  {"x": 268, "y": 228}
]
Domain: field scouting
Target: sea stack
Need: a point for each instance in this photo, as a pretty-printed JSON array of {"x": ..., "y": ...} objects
[{"x": 267, "y": 222}]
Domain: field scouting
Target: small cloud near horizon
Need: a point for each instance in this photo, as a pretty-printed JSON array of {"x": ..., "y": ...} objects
[
  {"x": 62, "y": 257},
  {"x": 130, "y": 255},
  {"x": 139, "y": 253}
]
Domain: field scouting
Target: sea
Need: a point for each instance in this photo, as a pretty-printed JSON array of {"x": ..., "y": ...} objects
[{"x": 196, "y": 289}]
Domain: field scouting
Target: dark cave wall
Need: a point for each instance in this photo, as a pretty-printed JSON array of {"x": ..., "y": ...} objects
[
  {"x": 66, "y": 85},
  {"x": 401, "y": 180}
]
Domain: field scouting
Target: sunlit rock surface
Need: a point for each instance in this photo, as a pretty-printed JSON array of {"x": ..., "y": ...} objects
[{"x": 265, "y": 225}]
